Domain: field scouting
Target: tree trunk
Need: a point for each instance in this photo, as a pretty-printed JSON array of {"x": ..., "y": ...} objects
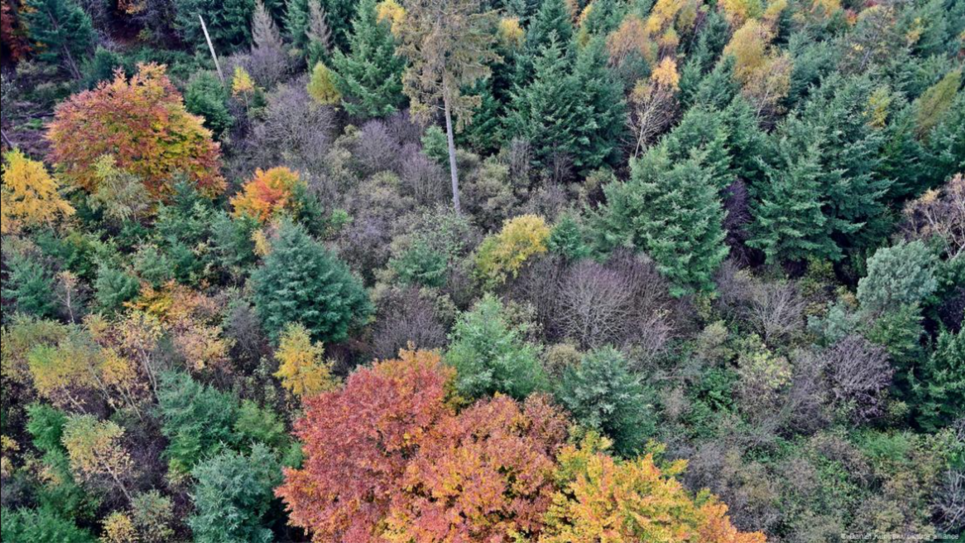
[
  {"x": 452, "y": 155},
  {"x": 214, "y": 55}
]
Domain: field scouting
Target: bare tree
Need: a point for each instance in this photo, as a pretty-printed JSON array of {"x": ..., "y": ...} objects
[
  {"x": 776, "y": 311},
  {"x": 860, "y": 373}
]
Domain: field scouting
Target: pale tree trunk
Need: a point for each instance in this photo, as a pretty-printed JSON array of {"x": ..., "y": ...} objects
[{"x": 452, "y": 155}]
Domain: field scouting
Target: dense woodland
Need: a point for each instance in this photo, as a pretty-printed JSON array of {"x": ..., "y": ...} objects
[{"x": 483, "y": 271}]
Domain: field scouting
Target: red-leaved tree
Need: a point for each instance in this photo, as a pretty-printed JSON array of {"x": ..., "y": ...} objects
[{"x": 143, "y": 123}]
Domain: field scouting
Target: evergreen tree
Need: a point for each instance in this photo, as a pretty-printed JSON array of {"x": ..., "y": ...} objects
[
  {"x": 672, "y": 212},
  {"x": 62, "y": 30},
  {"x": 337, "y": 15},
  {"x": 301, "y": 281},
  {"x": 369, "y": 78},
  {"x": 550, "y": 27},
  {"x": 602, "y": 96},
  {"x": 940, "y": 392},
  {"x": 227, "y": 21},
  {"x": 788, "y": 221}
]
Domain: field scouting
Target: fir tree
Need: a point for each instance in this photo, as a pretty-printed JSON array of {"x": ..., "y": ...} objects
[
  {"x": 789, "y": 224},
  {"x": 369, "y": 78},
  {"x": 602, "y": 97},
  {"x": 671, "y": 212},
  {"x": 62, "y": 30},
  {"x": 301, "y": 281}
]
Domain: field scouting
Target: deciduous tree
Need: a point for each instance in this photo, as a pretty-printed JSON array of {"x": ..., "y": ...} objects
[
  {"x": 302, "y": 369},
  {"x": 30, "y": 196}
]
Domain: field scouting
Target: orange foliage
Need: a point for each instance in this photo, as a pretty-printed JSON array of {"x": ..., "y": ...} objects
[
  {"x": 484, "y": 475},
  {"x": 358, "y": 443},
  {"x": 266, "y": 194},
  {"x": 144, "y": 124},
  {"x": 12, "y": 41}
]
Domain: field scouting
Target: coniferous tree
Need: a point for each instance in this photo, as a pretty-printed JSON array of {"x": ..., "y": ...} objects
[
  {"x": 789, "y": 223},
  {"x": 62, "y": 29},
  {"x": 300, "y": 20},
  {"x": 552, "y": 23},
  {"x": 301, "y": 281},
  {"x": 369, "y": 78},
  {"x": 602, "y": 97},
  {"x": 670, "y": 211},
  {"x": 228, "y": 23}
]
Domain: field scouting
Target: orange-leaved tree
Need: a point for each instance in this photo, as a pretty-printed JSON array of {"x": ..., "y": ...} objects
[
  {"x": 486, "y": 474},
  {"x": 604, "y": 499},
  {"x": 143, "y": 123},
  {"x": 267, "y": 193},
  {"x": 358, "y": 442}
]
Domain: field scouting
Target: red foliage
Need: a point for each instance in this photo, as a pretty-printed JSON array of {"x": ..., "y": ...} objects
[
  {"x": 358, "y": 442},
  {"x": 13, "y": 42},
  {"x": 144, "y": 124},
  {"x": 483, "y": 475}
]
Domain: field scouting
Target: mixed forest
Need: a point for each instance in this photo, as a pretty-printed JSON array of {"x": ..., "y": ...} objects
[{"x": 483, "y": 271}]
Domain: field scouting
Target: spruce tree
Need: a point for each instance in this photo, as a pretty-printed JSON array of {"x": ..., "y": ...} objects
[
  {"x": 63, "y": 31},
  {"x": 338, "y": 16},
  {"x": 789, "y": 224},
  {"x": 301, "y": 281},
  {"x": 670, "y": 211},
  {"x": 551, "y": 23},
  {"x": 369, "y": 78},
  {"x": 228, "y": 23},
  {"x": 602, "y": 97}
]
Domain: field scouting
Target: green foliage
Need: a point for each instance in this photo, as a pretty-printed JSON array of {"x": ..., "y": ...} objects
[
  {"x": 321, "y": 86},
  {"x": 940, "y": 391},
  {"x": 197, "y": 419},
  {"x": 568, "y": 240},
  {"x": 232, "y": 495},
  {"x": 672, "y": 213},
  {"x": 228, "y": 23},
  {"x": 936, "y": 101},
  {"x": 369, "y": 77},
  {"x": 46, "y": 427},
  {"x": 29, "y": 285},
  {"x": 603, "y": 395},
  {"x": 900, "y": 275},
  {"x": 113, "y": 287},
  {"x": 420, "y": 265},
  {"x": 338, "y": 16},
  {"x": 207, "y": 97},
  {"x": 301, "y": 281},
  {"x": 41, "y": 526},
  {"x": 490, "y": 355},
  {"x": 62, "y": 31}
]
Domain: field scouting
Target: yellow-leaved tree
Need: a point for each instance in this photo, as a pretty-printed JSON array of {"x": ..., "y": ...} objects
[
  {"x": 502, "y": 255},
  {"x": 302, "y": 370},
  {"x": 96, "y": 453},
  {"x": 267, "y": 193},
  {"x": 30, "y": 196},
  {"x": 605, "y": 499}
]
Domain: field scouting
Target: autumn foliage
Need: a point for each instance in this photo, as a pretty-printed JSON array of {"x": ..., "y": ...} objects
[
  {"x": 144, "y": 124},
  {"x": 30, "y": 196},
  {"x": 267, "y": 193}
]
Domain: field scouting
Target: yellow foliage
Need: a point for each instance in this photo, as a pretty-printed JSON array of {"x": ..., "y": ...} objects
[
  {"x": 511, "y": 35},
  {"x": 749, "y": 45},
  {"x": 603, "y": 499},
  {"x": 665, "y": 74},
  {"x": 262, "y": 244},
  {"x": 30, "y": 196},
  {"x": 242, "y": 84},
  {"x": 301, "y": 369},
  {"x": 119, "y": 528},
  {"x": 267, "y": 193},
  {"x": 8, "y": 447},
  {"x": 321, "y": 87},
  {"x": 95, "y": 450},
  {"x": 738, "y": 11},
  {"x": 502, "y": 255},
  {"x": 878, "y": 105},
  {"x": 392, "y": 11}
]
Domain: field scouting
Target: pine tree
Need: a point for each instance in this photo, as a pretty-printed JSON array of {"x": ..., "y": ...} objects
[
  {"x": 370, "y": 76},
  {"x": 670, "y": 211},
  {"x": 63, "y": 31},
  {"x": 789, "y": 224},
  {"x": 301, "y": 281}
]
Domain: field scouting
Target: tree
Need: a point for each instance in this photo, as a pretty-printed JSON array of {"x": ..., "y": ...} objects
[
  {"x": 604, "y": 396},
  {"x": 301, "y": 368},
  {"x": 227, "y": 22},
  {"x": 267, "y": 194},
  {"x": 449, "y": 45},
  {"x": 197, "y": 420},
  {"x": 900, "y": 275},
  {"x": 654, "y": 103},
  {"x": 301, "y": 20},
  {"x": 232, "y": 496},
  {"x": 860, "y": 373},
  {"x": 933, "y": 104},
  {"x": 636, "y": 500},
  {"x": 142, "y": 122},
  {"x": 369, "y": 78},
  {"x": 670, "y": 212},
  {"x": 62, "y": 31},
  {"x": 321, "y": 86},
  {"x": 41, "y": 526},
  {"x": 940, "y": 391},
  {"x": 484, "y": 475},
  {"x": 789, "y": 224},
  {"x": 206, "y": 98},
  {"x": 301, "y": 281},
  {"x": 502, "y": 255},
  {"x": 489, "y": 355},
  {"x": 30, "y": 196},
  {"x": 95, "y": 451},
  {"x": 29, "y": 285},
  {"x": 358, "y": 442}
]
